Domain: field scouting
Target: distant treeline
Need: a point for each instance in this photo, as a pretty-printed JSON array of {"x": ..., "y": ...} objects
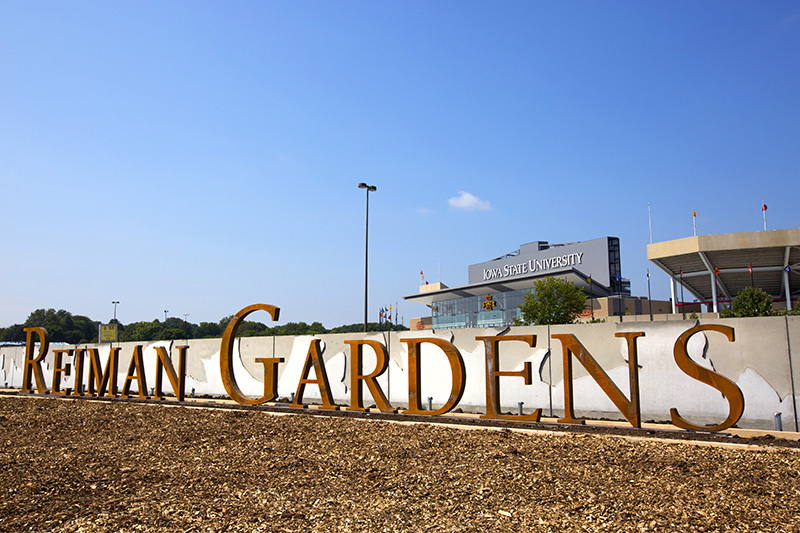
[{"x": 63, "y": 326}]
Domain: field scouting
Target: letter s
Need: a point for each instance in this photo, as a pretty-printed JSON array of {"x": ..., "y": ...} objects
[{"x": 728, "y": 388}]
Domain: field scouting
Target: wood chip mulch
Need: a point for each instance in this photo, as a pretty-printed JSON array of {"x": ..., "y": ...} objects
[{"x": 83, "y": 466}]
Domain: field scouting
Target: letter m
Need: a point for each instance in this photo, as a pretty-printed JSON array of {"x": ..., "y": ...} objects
[{"x": 100, "y": 379}]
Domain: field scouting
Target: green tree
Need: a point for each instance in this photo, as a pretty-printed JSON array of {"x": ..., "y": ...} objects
[
  {"x": 142, "y": 331},
  {"x": 63, "y": 326},
  {"x": 208, "y": 330},
  {"x": 752, "y": 301},
  {"x": 552, "y": 301}
]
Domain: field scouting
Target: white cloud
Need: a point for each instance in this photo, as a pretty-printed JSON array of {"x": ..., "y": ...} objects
[{"x": 469, "y": 202}]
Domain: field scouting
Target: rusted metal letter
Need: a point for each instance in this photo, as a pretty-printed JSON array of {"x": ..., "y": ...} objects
[
  {"x": 457, "y": 372},
  {"x": 314, "y": 359},
  {"x": 77, "y": 386},
  {"x": 58, "y": 369},
  {"x": 135, "y": 371},
  {"x": 728, "y": 388},
  {"x": 226, "y": 359},
  {"x": 629, "y": 408},
  {"x": 109, "y": 375},
  {"x": 176, "y": 380},
  {"x": 357, "y": 377},
  {"x": 33, "y": 364},
  {"x": 493, "y": 375}
]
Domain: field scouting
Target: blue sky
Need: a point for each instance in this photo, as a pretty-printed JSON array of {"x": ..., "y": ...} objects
[{"x": 203, "y": 156}]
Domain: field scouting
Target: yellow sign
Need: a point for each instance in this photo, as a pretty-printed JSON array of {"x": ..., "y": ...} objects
[{"x": 108, "y": 333}]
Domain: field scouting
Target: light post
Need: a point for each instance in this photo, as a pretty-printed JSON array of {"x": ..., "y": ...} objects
[
  {"x": 115, "y": 311},
  {"x": 369, "y": 188},
  {"x": 165, "y": 314}
]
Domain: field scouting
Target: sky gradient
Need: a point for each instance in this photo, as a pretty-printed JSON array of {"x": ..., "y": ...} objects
[{"x": 203, "y": 156}]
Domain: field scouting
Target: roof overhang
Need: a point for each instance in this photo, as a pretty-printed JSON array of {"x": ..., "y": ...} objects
[
  {"x": 579, "y": 279},
  {"x": 732, "y": 261}
]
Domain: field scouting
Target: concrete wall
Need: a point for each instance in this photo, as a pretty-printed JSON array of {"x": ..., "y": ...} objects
[{"x": 758, "y": 361}]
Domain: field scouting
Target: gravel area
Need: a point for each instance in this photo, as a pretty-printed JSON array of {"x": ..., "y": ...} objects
[{"x": 90, "y": 466}]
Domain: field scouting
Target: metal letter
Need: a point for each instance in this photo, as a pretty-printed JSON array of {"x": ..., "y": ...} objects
[
  {"x": 58, "y": 369},
  {"x": 415, "y": 381},
  {"x": 629, "y": 408},
  {"x": 176, "y": 380},
  {"x": 137, "y": 366},
  {"x": 728, "y": 388},
  {"x": 493, "y": 374},
  {"x": 109, "y": 378},
  {"x": 77, "y": 386},
  {"x": 314, "y": 359},
  {"x": 226, "y": 359},
  {"x": 357, "y": 377},
  {"x": 33, "y": 364}
]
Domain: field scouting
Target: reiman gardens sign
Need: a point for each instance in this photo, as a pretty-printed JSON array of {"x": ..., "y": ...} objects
[{"x": 102, "y": 381}]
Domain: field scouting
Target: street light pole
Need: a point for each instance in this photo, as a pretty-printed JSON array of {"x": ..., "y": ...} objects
[
  {"x": 115, "y": 311},
  {"x": 369, "y": 188}
]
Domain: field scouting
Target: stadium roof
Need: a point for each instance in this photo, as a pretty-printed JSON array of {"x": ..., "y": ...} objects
[{"x": 717, "y": 267}]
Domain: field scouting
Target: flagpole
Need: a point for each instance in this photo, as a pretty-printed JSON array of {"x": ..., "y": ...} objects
[
  {"x": 764, "y": 214},
  {"x": 650, "y": 220},
  {"x": 694, "y": 222},
  {"x": 649, "y": 299}
]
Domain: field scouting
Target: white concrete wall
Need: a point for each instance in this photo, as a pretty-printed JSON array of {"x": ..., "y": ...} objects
[{"x": 757, "y": 361}]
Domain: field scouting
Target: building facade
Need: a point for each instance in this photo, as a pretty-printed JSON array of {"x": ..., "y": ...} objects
[{"x": 497, "y": 287}]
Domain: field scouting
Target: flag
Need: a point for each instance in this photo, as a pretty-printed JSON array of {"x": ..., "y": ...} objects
[
  {"x": 422, "y": 275},
  {"x": 787, "y": 269},
  {"x": 716, "y": 271},
  {"x": 763, "y": 207},
  {"x": 681, "y": 273},
  {"x": 381, "y": 315},
  {"x": 750, "y": 268},
  {"x": 694, "y": 214}
]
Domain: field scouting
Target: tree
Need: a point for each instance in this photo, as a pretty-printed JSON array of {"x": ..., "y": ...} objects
[
  {"x": 208, "y": 330},
  {"x": 752, "y": 301},
  {"x": 63, "y": 326},
  {"x": 552, "y": 301}
]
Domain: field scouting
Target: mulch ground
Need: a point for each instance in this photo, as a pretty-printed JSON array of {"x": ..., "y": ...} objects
[{"x": 88, "y": 466}]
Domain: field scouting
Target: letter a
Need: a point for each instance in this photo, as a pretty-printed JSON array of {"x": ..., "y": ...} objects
[{"x": 314, "y": 359}]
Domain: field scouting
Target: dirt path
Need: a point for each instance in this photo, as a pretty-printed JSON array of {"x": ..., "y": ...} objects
[{"x": 89, "y": 466}]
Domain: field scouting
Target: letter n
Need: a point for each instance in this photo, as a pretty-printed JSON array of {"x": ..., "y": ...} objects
[
  {"x": 33, "y": 365},
  {"x": 630, "y": 409},
  {"x": 314, "y": 359},
  {"x": 176, "y": 380}
]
